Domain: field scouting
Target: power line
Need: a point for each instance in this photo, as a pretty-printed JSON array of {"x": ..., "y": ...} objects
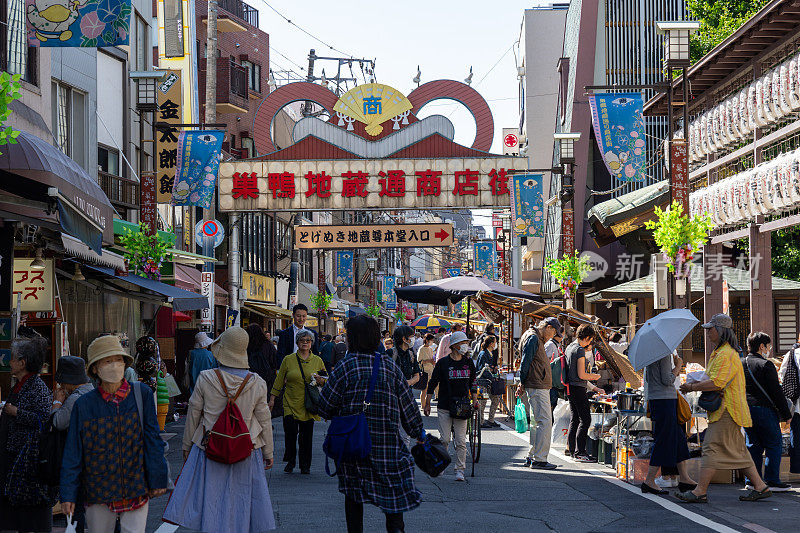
[
  {"x": 286, "y": 58},
  {"x": 304, "y": 30}
]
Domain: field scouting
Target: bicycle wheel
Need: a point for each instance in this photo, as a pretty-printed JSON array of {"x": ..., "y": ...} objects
[
  {"x": 476, "y": 422},
  {"x": 471, "y": 440}
]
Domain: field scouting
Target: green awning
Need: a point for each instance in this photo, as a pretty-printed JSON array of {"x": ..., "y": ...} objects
[
  {"x": 121, "y": 225},
  {"x": 628, "y": 205}
]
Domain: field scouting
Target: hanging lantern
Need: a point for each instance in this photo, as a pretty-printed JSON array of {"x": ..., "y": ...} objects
[
  {"x": 775, "y": 102},
  {"x": 745, "y": 201},
  {"x": 728, "y": 189},
  {"x": 794, "y": 175},
  {"x": 744, "y": 114},
  {"x": 772, "y": 196},
  {"x": 783, "y": 77},
  {"x": 794, "y": 83},
  {"x": 735, "y": 118},
  {"x": 752, "y": 106}
]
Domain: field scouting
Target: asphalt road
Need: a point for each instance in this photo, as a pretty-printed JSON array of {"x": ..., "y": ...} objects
[{"x": 505, "y": 496}]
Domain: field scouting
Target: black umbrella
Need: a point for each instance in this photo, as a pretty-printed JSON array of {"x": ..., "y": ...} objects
[{"x": 455, "y": 289}]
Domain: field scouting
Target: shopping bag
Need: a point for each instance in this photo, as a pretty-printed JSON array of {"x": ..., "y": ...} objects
[
  {"x": 71, "y": 526},
  {"x": 520, "y": 417},
  {"x": 561, "y": 419}
]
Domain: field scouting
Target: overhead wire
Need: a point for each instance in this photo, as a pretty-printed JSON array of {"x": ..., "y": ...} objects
[{"x": 287, "y": 19}]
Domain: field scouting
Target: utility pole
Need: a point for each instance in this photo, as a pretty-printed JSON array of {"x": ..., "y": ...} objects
[
  {"x": 310, "y": 78},
  {"x": 210, "y": 118}
]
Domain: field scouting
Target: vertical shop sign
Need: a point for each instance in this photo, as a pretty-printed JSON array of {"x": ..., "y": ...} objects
[
  {"x": 207, "y": 290},
  {"x": 679, "y": 174},
  {"x": 527, "y": 205},
  {"x": 169, "y": 98},
  {"x": 147, "y": 199}
]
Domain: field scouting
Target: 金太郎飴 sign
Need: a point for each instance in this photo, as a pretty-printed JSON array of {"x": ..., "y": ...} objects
[
  {"x": 367, "y": 184},
  {"x": 169, "y": 111},
  {"x": 259, "y": 288},
  {"x": 36, "y": 286},
  {"x": 374, "y": 236}
]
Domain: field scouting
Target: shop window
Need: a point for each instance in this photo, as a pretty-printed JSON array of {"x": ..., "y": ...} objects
[
  {"x": 16, "y": 57},
  {"x": 253, "y": 75},
  {"x": 306, "y": 266},
  {"x": 69, "y": 121},
  {"x": 108, "y": 160}
]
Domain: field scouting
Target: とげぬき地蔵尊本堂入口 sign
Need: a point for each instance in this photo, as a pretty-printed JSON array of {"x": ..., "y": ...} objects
[{"x": 373, "y": 236}]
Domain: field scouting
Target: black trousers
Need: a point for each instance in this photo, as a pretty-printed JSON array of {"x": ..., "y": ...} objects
[
  {"x": 354, "y": 514},
  {"x": 581, "y": 420},
  {"x": 302, "y": 431}
]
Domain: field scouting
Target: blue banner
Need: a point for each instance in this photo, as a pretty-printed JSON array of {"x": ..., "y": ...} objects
[
  {"x": 484, "y": 260},
  {"x": 452, "y": 272},
  {"x": 199, "y": 154},
  {"x": 527, "y": 205},
  {"x": 77, "y": 23},
  {"x": 618, "y": 123},
  {"x": 344, "y": 268},
  {"x": 390, "y": 298}
]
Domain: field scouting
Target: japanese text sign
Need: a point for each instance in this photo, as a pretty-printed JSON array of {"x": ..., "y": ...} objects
[
  {"x": 207, "y": 290},
  {"x": 344, "y": 268},
  {"x": 528, "y": 205},
  {"x": 36, "y": 286},
  {"x": 679, "y": 173},
  {"x": 567, "y": 231},
  {"x": 373, "y": 236},
  {"x": 618, "y": 123},
  {"x": 147, "y": 201},
  {"x": 259, "y": 288},
  {"x": 389, "y": 296},
  {"x": 367, "y": 184},
  {"x": 199, "y": 154},
  {"x": 169, "y": 100}
]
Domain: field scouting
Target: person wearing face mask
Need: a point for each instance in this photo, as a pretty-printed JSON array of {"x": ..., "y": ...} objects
[
  {"x": 114, "y": 451},
  {"x": 403, "y": 355},
  {"x": 767, "y": 409},
  {"x": 455, "y": 375}
]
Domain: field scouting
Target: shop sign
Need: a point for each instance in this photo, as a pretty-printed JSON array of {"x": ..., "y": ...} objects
[
  {"x": 567, "y": 230},
  {"x": 147, "y": 199},
  {"x": 207, "y": 290},
  {"x": 373, "y": 236},
  {"x": 34, "y": 286},
  {"x": 528, "y": 205},
  {"x": 726, "y": 298},
  {"x": 389, "y": 296},
  {"x": 259, "y": 288},
  {"x": 679, "y": 173},
  {"x": 169, "y": 101},
  {"x": 388, "y": 184}
]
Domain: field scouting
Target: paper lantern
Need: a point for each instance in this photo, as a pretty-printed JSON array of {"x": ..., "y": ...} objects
[
  {"x": 731, "y": 209},
  {"x": 794, "y": 84},
  {"x": 744, "y": 112},
  {"x": 761, "y": 107},
  {"x": 743, "y": 186},
  {"x": 702, "y": 124},
  {"x": 736, "y": 212},
  {"x": 725, "y": 124},
  {"x": 794, "y": 176},
  {"x": 715, "y": 137},
  {"x": 783, "y": 71},
  {"x": 777, "y": 110},
  {"x": 711, "y": 138},
  {"x": 732, "y": 105},
  {"x": 694, "y": 200},
  {"x": 773, "y": 198},
  {"x": 752, "y": 106},
  {"x": 693, "y": 155}
]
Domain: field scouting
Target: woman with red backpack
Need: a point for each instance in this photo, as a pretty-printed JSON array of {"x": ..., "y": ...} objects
[{"x": 227, "y": 445}]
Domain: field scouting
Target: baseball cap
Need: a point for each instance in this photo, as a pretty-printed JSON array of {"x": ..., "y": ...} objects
[
  {"x": 719, "y": 320},
  {"x": 553, "y": 321}
]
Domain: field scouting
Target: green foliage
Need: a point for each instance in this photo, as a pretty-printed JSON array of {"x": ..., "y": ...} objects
[
  {"x": 373, "y": 311},
  {"x": 9, "y": 91},
  {"x": 399, "y": 317},
  {"x": 786, "y": 253},
  {"x": 569, "y": 271},
  {"x": 678, "y": 235},
  {"x": 145, "y": 253},
  {"x": 719, "y": 19},
  {"x": 321, "y": 302}
]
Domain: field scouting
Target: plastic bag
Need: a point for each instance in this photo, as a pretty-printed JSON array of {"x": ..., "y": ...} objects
[
  {"x": 561, "y": 419},
  {"x": 71, "y": 526},
  {"x": 520, "y": 417}
]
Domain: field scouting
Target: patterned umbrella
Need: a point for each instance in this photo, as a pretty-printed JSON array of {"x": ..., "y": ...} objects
[{"x": 430, "y": 321}]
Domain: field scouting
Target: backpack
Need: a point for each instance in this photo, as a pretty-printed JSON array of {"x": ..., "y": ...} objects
[
  {"x": 559, "y": 368},
  {"x": 229, "y": 441},
  {"x": 348, "y": 436}
]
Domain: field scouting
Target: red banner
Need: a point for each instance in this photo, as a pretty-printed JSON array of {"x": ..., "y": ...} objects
[
  {"x": 568, "y": 231},
  {"x": 147, "y": 198},
  {"x": 679, "y": 173}
]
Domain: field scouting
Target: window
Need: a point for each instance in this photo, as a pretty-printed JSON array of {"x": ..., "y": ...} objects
[
  {"x": 248, "y": 147},
  {"x": 139, "y": 43},
  {"x": 306, "y": 273},
  {"x": 108, "y": 160},
  {"x": 69, "y": 121},
  {"x": 253, "y": 75},
  {"x": 16, "y": 56}
]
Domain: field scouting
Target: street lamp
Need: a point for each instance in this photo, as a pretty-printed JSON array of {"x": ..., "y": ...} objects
[
  {"x": 566, "y": 157},
  {"x": 566, "y": 146},
  {"x": 676, "y": 42}
]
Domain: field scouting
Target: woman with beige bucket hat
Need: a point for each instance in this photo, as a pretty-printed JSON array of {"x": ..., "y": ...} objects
[{"x": 215, "y": 497}]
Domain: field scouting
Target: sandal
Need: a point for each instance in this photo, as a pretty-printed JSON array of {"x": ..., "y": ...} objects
[
  {"x": 691, "y": 497},
  {"x": 755, "y": 495}
]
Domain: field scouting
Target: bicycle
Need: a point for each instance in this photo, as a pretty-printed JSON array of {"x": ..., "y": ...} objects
[{"x": 474, "y": 434}]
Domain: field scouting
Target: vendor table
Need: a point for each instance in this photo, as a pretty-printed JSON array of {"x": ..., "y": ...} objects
[{"x": 625, "y": 419}]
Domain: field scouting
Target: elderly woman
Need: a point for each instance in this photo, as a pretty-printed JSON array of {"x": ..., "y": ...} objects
[
  {"x": 212, "y": 496},
  {"x": 295, "y": 371},
  {"x": 24, "y": 503},
  {"x": 114, "y": 450},
  {"x": 724, "y": 444},
  {"x": 385, "y": 478}
]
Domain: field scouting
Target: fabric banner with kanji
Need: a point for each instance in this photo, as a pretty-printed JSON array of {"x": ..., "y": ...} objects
[
  {"x": 618, "y": 121},
  {"x": 199, "y": 154},
  {"x": 78, "y": 23},
  {"x": 344, "y": 268},
  {"x": 527, "y": 205},
  {"x": 389, "y": 296},
  {"x": 484, "y": 259}
]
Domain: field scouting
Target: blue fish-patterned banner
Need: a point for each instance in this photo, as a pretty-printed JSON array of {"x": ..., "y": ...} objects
[
  {"x": 618, "y": 121},
  {"x": 344, "y": 268},
  {"x": 77, "y": 23}
]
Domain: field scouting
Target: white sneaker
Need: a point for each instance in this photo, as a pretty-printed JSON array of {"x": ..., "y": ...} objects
[
  {"x": 460, "y": 475},
  {"x": 666, "y": 483}
]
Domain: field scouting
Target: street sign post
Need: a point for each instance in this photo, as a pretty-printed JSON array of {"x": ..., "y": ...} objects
[
  {"x": 210, "y": 228},
  {"x": 373, "y": 236}
]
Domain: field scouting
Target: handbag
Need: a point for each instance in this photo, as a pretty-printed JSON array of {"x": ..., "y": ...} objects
[
  {"x": 422, "y": 384},
  {"x": 348, "y": 436},
  {"x": 498, "y": 387},
  {"x": 710, "y": 400},
  {"x": 51, "y": 450},
  {"x": 683, "y": 410},
  {"x": 311, "y": 401},
  {"x": 791, "y": 380},
  {"x": 430, "y": 455}
]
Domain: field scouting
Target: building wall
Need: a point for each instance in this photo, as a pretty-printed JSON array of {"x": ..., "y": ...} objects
[{"x": 34, "y": 100}]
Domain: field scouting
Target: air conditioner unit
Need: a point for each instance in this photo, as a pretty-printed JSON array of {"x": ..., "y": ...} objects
[{"x": 660, "y": 289}]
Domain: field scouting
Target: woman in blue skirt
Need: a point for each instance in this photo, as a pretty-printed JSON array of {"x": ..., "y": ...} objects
[{"x": 216, "y": 497}]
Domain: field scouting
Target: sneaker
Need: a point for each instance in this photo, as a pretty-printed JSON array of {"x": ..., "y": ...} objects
[
  {"x": 666, "y": 483},
  {"x": 487, "y": 425},
  {"x": 779, "y": 487},
  {"x": 583, "y": 459},
  {"x": 543, "y": 465},
  {"x": 528, "y": 462},
  {"x": 460, "y": 475}
]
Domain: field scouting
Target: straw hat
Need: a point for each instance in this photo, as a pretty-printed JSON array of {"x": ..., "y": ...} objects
[
  {"x": 106, "y": 346},
  {"x": 230, "y": 348}
]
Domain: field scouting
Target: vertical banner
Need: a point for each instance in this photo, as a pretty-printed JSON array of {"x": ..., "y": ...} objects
[
  {"x": 618, "y": 122},
  {"x": 169, "y": 100},
  {"x": 679, "y": 174},
  {"x": 207, "y": 290},
  {"x": 199, "y": 154},
  {"x": 527, "y": 205},
  {"x": 567, "y": 231},
  {"x": 147, "y": 200},
  {"x": 484, "y": 259},
  {"x": 344, "y": 268},
  {"x": 389, "y": 296},
  {"x": 78, "y": 23}
]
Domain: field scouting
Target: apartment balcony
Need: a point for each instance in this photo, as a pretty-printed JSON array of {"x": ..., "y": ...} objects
[
  {"x": 231, "y": 15},
  {"x": 231, "y": 86},
  {"x": 122, "y": 192}
]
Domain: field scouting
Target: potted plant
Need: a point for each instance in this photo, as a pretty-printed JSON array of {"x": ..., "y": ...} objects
[
  {"x": 679, "y": 236},
  {"x": 374, "y": 311},
  {"x": 399, "y": 317},
  {"x": 569, "y": 272},
  {"x": 144, "y": 253},
  {"x": 321, "y": 302}
]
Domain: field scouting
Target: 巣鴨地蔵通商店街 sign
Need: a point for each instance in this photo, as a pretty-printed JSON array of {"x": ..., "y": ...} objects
[{"x": 367, "y": 184}]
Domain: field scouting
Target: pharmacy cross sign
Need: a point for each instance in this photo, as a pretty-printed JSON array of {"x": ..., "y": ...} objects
[{"x": 374, "y": 236}]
